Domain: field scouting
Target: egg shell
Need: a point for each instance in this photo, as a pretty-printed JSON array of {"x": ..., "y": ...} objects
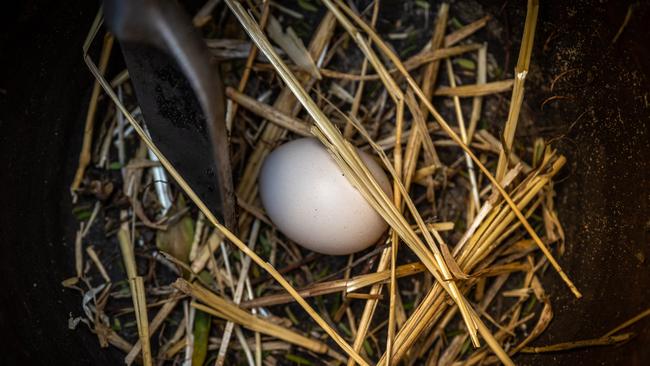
[{"x": 308, "y": 198}]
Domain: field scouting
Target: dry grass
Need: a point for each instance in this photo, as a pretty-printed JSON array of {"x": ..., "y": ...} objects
[
  {"x": 521, "y": 70},
  {"x": 442, "y": 279},
  {"x": 226, "y": 310}
]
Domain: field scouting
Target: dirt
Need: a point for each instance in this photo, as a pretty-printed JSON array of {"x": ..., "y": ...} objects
[{"x": 602, "y": 125}]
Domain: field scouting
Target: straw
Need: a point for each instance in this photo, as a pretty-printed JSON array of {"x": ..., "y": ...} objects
[{"x": 213, "y": 220}]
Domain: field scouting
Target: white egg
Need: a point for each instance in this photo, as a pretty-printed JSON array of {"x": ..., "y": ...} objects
[{"x": 309, "y": 199}]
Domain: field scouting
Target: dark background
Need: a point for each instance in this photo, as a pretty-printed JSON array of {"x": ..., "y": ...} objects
[
  {"x": 45, "y": 86},
  {"x": 603, "y": 199}
]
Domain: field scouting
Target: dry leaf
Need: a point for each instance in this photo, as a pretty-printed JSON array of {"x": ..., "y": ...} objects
[{"x": 293, "y": 46}]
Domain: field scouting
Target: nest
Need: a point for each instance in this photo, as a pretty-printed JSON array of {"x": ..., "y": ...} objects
[{"x": 456, "y": 280}]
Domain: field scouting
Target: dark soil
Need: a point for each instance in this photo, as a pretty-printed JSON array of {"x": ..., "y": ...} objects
[{"x": 604, "y": 129}]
